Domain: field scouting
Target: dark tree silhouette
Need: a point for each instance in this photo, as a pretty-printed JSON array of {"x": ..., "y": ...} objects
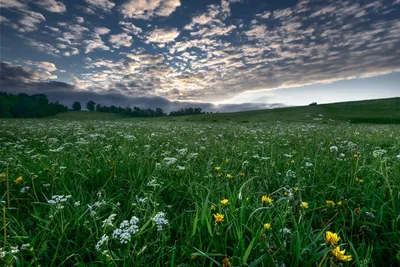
[
  {"x": 91, "y": 105},
  {"x": 76, "y": 106}
]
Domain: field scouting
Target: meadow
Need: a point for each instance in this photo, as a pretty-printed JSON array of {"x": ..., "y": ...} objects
[{"x": 126, "y": 192}]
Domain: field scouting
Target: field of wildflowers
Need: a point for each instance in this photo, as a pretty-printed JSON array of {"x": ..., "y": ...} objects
[{"x": 130, "y": 193}]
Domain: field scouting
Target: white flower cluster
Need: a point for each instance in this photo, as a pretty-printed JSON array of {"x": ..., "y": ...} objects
[
  {"x": 109, "y": 220},
  {"x": 333, "y": 149},
  {"x": 57, "y": 200},
  {"x": 103, "y": 240},
  {"x": 160, "y": 220},
  {"x": 378, "y": 153},
  {"x": 126, "y": 230}
]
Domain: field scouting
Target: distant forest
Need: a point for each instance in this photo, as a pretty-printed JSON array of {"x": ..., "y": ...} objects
[{"x": 38, "y": 106}]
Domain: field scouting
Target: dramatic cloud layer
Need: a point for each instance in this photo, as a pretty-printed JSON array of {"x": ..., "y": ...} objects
[{"x": 185, "y": 51}]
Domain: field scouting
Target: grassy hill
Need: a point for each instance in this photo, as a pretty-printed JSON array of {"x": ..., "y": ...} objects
[{"x": 368, "y": 111}]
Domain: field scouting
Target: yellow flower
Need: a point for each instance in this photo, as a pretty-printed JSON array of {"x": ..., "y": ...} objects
[
  {"x": 296, "y": 188},
  {"x": 18, "y": 180},
  {"x": 285, "y": 194},
  {"x": 304, "y": 205},
  {"x": 219, "y": 218},
  {"x": 331, "y": 238},
  {"x": 213, "y": 207},
  {"x": 340, "y": 203},
  {"x": 217, "y": 169},
  {"x": 267, "y": 226},
  {"x": 356, "y": 156},
  {"x": 339, "y": 254},
  {"x": 224, "y": 202},
  {"x": 266, "y": 200},
  {"x": 227, "y": 161},
  {"x": 360, "y": 180},
  {"x": 219, "y": 174},
  {"x": 228, "y": 176},
  {"x": 330, "y": 203},
  {"x": 226, "y": 262},
  {"x": 292, "y": 161}
]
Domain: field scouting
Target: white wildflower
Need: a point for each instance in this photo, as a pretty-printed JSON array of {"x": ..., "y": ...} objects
[
  {"x": 109, "y": 220},
  {"x": 333, "y": 148},
  {"x": 126, "y": 230},
  {"x": 160, "y": 220},
  {"x": 24, "y": 189},
  {"x": 170, "y": 161},
  {"x": 103, "y": 240}
]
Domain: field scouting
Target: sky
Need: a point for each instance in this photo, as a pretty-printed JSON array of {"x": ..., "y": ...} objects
[{"x": 225, "y": 55}]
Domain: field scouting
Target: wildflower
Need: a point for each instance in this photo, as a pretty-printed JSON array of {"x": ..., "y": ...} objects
[
  {"x": 18, "y": 180},
  {"x": 25, "y": 246},
  {"x": 103, "y": 240},
  {"x": 339, "y": 203},
  {"x": 224, "y": 202},
  {"x": 77, "y": 203},
  {"x": 267, "y": 226},
  {"x": 213, "y": 207},
  {"x": 219, "y": 218},
  {"x": 25, "y": 189},
  {"x": 296, "y": 188},
  {"x": 126, "y": 230},
  {"x": 226, "y": 262},
  {"x": 339, "y": 254},
  {"x": 304, "y": 205},
  {"x": 330, "y": 203},
  {"x": 292, "y": 161},
  {"x": 285, "y": 194},
  {"x": 227, "y": 161},
  {"x": 331, "y": 238},
  {"x": 243, "y": 174},
  {"x": 217, "y": 169},
  {"x": 356, "y": 156},
  {"x": 333, "y": 149},
  {"x": 266, "y": 200},
  {"x": 109, "y": 220},
  {"x": 219, "y": 174},
  {"x": 160, "y": 220},
  {"x": 228, "y": 176},
  {"x": 360, "y": 180}
]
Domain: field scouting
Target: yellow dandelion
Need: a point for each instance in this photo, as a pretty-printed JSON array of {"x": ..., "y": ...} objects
[
  {"x": 267, "y": 226},
  {"x": 266, "y": 200},
  {"x": 224, "y": 202},
  {"x": 292, "y": 161},
  {"x": 219, "y": 174},
  {"x": 339, "y": 203},
  {"x": 339, "y": 254},
  {"x": 18, "y": 180},
  {"x": 330, "y": 203},
  {"x": 331, "y": 238},
  {"x": 217, "y": 169},
  {"x": 228, "y": 176},
  {"x": 356, "y": 156},
  {"x": 360, "y": 180},
  {"x": 226, "y": 262},
  {"x": 296, "y": 188},
  {"x": 304, "y": 205},
  {"x": 213, "y": 207},
  {"x": 219, "y": 218}
]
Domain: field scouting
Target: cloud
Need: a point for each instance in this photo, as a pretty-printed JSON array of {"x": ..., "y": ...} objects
[
  {"x": 162, "y": 35},
  {"x": 48, "y": 66},
  {"x": 94, "y": 44},
  {"x": 79, "y": 19},
  {"x": 51, "y": 5},
  {"x": 41, "y": 46},
  {"x": 130, "y": 28},
  {"x": 101, "y": 30},
  {"x": 148, "y": 9},
  {"x": 13, "y": 4},
  {"x": 121, "y": 39},
  {"x": 101, "y": 5},
  {"x": 30, "y": 21}
]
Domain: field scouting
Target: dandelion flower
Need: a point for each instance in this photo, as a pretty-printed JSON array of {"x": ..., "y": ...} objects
[
  {"x": 330, "y": 203},
  {"x": 226, "y": 262},
  {"x": 296, "y": 188},
  {"x": 356, "y": 156},
  {"x": 228, "y": 176},
  {"x": 266, "y": 200},
  {"x": 267, "y": 226},
  {"x": 219, "y": 218},
  {"x": 304, "y": 205},
  {"x": 213, "y": 207},
  {"x": 217, "y": 169},
  {"x": 224, "y": 202},
  {"x": 339, "y": 203},
  {"x": 331, "y": 238},
  {"x": 18, "y": 180},
  {"x": 360, "y": 180},
  {"x": 339, "y": 254}
]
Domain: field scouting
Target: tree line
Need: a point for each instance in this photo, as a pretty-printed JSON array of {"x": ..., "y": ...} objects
[
  {"x": 28, "y": 106},
  {"x": 135, "y": 111},
  {"x": 38, "y": 106}
]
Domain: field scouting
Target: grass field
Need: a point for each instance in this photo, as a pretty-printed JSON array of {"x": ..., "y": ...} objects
[{"x": 126, "y": 192}]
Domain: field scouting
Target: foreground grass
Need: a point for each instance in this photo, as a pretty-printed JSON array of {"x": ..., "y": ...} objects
[{"x": 68, "y": 186}]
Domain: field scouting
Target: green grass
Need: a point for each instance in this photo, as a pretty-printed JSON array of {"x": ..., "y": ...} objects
[
  {"x": 381, "y": 111},
  {"x": 134, "y": 168}
]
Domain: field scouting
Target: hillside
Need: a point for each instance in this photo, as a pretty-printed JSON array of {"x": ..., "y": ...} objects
[{"x": 368, "y": 111}]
